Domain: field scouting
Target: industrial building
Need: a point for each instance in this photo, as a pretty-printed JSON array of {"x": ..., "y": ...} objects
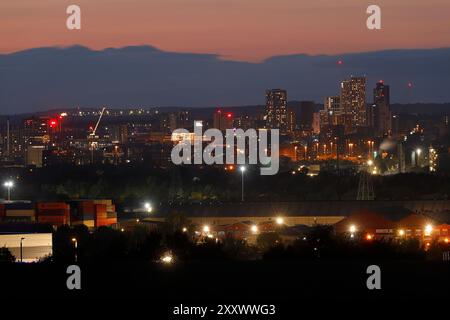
[
  {"x": 379, "y": 219},
  {"x": 28, "y": 247}
]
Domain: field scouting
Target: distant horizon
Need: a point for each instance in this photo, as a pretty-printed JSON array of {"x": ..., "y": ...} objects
[
  {"x": 98, "y": 108},
  {"x": 150, "y": 46}
]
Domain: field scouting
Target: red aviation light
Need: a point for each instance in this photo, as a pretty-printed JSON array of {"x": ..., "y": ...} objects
[{"x": 53, "y": 123}]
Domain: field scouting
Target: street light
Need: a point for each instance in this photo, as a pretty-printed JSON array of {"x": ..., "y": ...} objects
[
  {"x": 9, "y": 185},
  {"x": 428, "y": 229},
  {"x": 254, "y": 229},
  {"x": 242, "y": 168},
  {"x": 21, "y": 249},
  {"x": 352, "y": 230},
  {"x": 280, "y": 221},
  {"x": 206, "y": 229},
  {"x": 75, "y": 244}
]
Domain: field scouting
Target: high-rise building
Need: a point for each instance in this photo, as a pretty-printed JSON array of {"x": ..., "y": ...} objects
[
  {"x": 120, "y": 133},
  {"x": 180, "y": 119},
  {"x": 382, "y": 119},
  {"x": 276, "y": 109},
  {"x": 316, "y": 123},
  {"x": 353, "y": 103},
  {"x": 333, "y": 111},
  {"x": 223, "y": 120},
  {"x": 306, "y": 117},
  {"x": 291, "y": 120}
]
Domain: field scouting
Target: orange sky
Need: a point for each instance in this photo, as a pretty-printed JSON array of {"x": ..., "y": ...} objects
[{"x": 235, "y": 29}]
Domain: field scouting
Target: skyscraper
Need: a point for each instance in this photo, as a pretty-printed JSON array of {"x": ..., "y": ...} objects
[
  {"x": 307, "y": 109},
  {"x": 276, "y": 109},
  {"x": 353, "y": 103},
  {"x": 223, "y": 120},
  {"x": 333, "y": 111},
  {"x": 291, "y": 120},
  {"x": 382, "y": 121}
]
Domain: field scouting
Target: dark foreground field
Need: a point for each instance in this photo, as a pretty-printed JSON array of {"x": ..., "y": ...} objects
[{"x": 229, "y": 282}]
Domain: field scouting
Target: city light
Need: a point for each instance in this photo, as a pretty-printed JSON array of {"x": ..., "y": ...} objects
[
  {"x": 254, "y": 229},
  {"x": 369, "y": 162},
  {"x": 280, "y": 221},
  {"x": 206, "y": 229},
  {"x": 167, "y": 258},
  {"x": 401, "y": 232},
  {"x": 184, "y": 229},
  {"x": 148, "y": 207},
  {"x": 9, "y": 184},
  {"x": 242, "y": 168},
  {"x": 369, "y": 237},
  {"x": 352, "y": 228},
  {"x": 428, "y": 229}
]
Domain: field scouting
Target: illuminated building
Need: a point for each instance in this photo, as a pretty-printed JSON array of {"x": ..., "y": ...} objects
[
  {"x": 382, "y": 118},
  {"x": 333, "y": 114},
  {"x": 276, "y": 109},
  {"x": 353, "y": 103},
  {"x": 291, "y": 120},
  {"x": 34, "y": 156}
]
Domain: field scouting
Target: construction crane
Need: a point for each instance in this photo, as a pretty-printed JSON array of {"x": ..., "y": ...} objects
[
  {"x": 98, "y": 122},
  {"x": 92, "y": 136}
]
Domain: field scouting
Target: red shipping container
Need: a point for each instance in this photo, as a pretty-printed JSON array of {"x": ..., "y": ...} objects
[
  {"x": 53, "y": 220},
  {"x": 53, "y": 206},
  {"x": 100, "y": 211},
  {"x": 111, "y": 221},
  {"x": 87, "y": 208}
]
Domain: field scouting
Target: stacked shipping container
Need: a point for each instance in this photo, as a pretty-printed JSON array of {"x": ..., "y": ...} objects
[
  {"x": 92, "y": 213},
  {"x": 54, "y": 213},
  {"x": 17, "y": 211}
]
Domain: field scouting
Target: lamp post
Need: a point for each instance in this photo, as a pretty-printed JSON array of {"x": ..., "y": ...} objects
[
  {"x": 21, "y": 249},
  {"x": 75, "y": 244},
  {"x": 9, "y": 185},
  {"x": 242, "y": 187}
]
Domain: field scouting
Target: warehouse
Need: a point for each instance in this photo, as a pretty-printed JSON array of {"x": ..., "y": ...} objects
[{"x": 28, "y": 247}]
